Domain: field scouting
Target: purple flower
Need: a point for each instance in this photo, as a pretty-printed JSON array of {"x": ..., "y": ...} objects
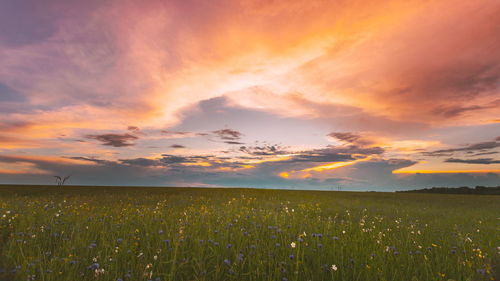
[
  {"x": 94, "y": 266},
  {"x": 228, "y": 262},
  {"x": 291, "y": 256}
]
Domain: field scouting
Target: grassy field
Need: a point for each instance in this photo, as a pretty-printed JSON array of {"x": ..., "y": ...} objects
[{"x": 86, "y": 233}]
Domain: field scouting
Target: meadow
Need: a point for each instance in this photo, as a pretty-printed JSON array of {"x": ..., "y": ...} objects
[{"x": 124, "y": 233}]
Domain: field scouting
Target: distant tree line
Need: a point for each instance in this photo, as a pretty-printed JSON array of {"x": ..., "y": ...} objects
[{"x": 485, "y": 190}]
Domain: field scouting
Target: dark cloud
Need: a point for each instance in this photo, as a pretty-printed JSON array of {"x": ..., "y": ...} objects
[
  {"x": 470, "y": 148},
  {"x": 133, "y": 128},
  {"x": 116, "y": 140},
  {"x": 346, "y": 137},
  {"x": 90, "y": 159},
  {"x": 456, "y": 110},
  {"x": 141, "y": 162},
  {"x": 173, "y": 159},
  {"x": 473, "y": 161},
  {"x": 263, "y": 150},
  {"x": 228, "y": 134},
  {"x": 233, "y": 142},
  {"x": 177, "y": 146},
  {"x": 335, "y": 154},
  {"x": 485, "y": 153},
  {"x": 351, "y": 138}
]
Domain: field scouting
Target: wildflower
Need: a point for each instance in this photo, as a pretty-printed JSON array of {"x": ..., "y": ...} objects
[
  {"x": 240, "y": 256},
  {"x": 229, "y": 246},
  {"x": 228, "y": 262},
  {"x": 119, "y": 240},
  {"x": 94, "y": 266},
  {"x": 284, "y": 279},
  {"x": 160, "y": 231},
  {"x": 278, "y": 244},
  {"x": 291, "y": 256},
  {"x": 292, "y": 244},
  {"x": 92, "y": 245},
  {"x": 334, "y": 267},
  {"x": 453, "y": 251}
]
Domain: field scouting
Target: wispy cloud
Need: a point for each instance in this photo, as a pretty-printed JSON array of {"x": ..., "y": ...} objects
[{"x": 473, "y": 161}]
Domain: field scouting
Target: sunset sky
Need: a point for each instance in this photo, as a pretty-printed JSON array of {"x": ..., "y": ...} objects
[{"x": 366, "y": 95}]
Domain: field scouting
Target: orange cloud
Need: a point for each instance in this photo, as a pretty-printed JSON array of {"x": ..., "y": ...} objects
[
  {"x": 335, "y": 165},
  {"x": 306, "y": 173}
]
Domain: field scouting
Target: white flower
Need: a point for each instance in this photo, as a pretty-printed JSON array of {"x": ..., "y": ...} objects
[
  {"x": 292, "y": 244},
  {"x": 334, "y": 267}
]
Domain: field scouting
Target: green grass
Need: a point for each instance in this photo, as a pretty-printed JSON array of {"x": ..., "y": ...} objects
[{"x": 50, "y": 233}]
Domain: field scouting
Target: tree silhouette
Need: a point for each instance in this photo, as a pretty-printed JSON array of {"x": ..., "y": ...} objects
[{"x": 61, "y": 181}]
